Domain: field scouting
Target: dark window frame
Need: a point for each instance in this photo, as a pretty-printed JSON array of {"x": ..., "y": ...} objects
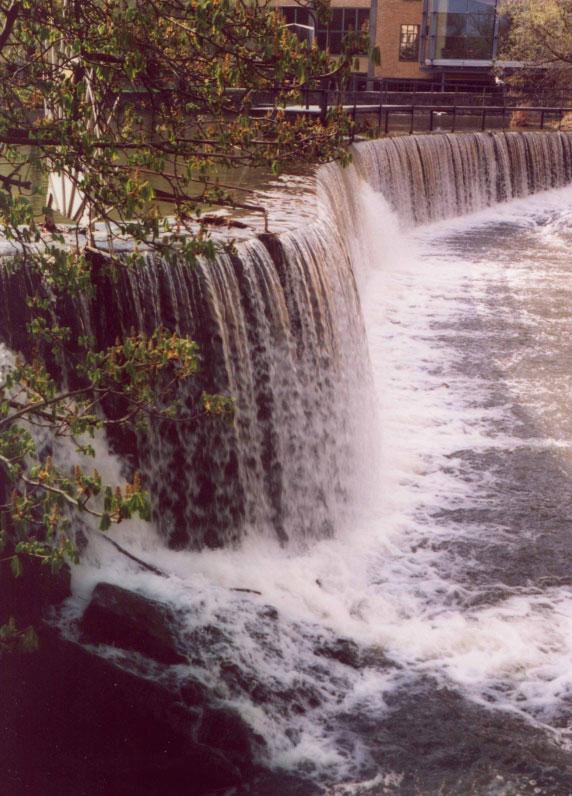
[
  {"x": 296, "y": 15},
  {"x": 330, "y": 35}
]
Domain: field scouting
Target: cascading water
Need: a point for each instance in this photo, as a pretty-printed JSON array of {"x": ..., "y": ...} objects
[
  {"x": 264, "y": 319},
  {"x": 413, "y": 635},
  {"x": 280, "y": 334}
]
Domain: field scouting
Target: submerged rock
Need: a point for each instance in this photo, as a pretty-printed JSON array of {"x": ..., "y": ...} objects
[
  {"x": 194, "y": 693},
  {"x": 342, "y": 650},
  {"x": 131, "y": 621},
  {"x": 350, "y": 654},
  {"x": 224, "y": 729},
  {"x": 75, "y": 724},
  {"x": 280, "y": 783}
]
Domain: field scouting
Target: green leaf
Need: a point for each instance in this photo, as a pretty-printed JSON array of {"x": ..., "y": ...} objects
[
  {"x": 30, "y": 641},
  {"x": 16, "y": 566},
  {"x": 105, "y": 522}
]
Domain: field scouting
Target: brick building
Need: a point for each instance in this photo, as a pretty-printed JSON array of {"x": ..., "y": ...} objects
[{"x": 418, "y": 39}]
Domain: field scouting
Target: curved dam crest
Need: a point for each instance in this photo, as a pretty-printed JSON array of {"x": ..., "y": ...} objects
[
  {"x": 280, "y": 330},
  {"x": 382, "y": 488}
]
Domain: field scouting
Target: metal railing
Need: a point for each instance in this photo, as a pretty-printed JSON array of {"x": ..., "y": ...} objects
[
  {"x": 384, "y": 117},
  {"x": 428, "y": 118}
]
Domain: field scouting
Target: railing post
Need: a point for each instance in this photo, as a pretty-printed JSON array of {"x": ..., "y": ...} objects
[
  {"x": 542, "y": 119},
  {"x": 454, "y": 124},
  {"x": 386, "y": 131},
  {"x": 412, "y": 120},
  {"x": 379, "y": 120},
  {"x": 354, "y": 113},
  {"x": 431, "y": 120},
  {"x": 483, "y": 117},
  {"x": 324, "y": 106}
]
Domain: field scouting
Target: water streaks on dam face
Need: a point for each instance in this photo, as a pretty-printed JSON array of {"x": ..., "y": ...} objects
[
  {"x": 453, "y": 575},
  {"x": 458, "y": 565},
  {"x": 414, "y": 634}
]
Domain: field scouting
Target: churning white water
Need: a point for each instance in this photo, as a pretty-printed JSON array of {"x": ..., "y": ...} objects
[
  {"x": 470, "y": 331},
  {"x": 451, "y": 573}
]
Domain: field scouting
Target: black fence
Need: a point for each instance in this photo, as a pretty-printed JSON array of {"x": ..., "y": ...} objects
[
  {"x": 486, "y": 90},
  {"x": 429, "y": 118},
  {"x": 377, "y": 114}
]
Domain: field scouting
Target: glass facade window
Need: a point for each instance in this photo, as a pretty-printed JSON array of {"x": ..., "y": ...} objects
[
  {"x": 296, "y": 15},
  {"x": 331, "y": 35},
  {"x": 463, "y": 29},
  {"x": 293, "y": 15},
  {"x": 343, "y": 22},
  {"x": 409, "y": 43}
]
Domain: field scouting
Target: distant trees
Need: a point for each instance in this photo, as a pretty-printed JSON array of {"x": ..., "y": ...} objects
[{"x": 539, "y": 36}]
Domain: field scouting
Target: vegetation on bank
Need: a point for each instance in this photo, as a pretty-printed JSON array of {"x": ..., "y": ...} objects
[{"x": 113, "y": 95}]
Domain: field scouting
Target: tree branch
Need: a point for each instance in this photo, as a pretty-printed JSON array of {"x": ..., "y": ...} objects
[
  {"x": 149, "y": 567},
  {"x": 11, "y": 16}
]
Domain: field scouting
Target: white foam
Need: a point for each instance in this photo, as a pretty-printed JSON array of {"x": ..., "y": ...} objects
[{"x": 386, "y": 581}]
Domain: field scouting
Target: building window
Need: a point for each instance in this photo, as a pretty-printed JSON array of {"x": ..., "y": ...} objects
[
  {"x": 409, "y": 43},
  {"x": 300, "y": 22},
  {"x": 343, "y": 23},
  {"x": 464, "y": 29},
  {"x": 330, "y": 36},
  {"x": 296, "y": 16}
]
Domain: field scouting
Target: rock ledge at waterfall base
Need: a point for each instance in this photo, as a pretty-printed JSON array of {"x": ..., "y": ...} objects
[
  {"x": 75, "y": 722},
  {"x": 125, "y": 619}
]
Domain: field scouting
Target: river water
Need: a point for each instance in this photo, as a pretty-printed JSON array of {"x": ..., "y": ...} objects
[
  {"x": 469, "y": 325},
  {"x": 452, "y": 576}
]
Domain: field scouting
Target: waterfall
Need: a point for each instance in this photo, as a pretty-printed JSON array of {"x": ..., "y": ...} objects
[
  {"x": 267, "y": 319},
  {"x": 432, "y": 177},
  {"x": 279, "y": 325},
  {"x": 383, "y": 640},
  {"x": 282, "y": 335}
]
